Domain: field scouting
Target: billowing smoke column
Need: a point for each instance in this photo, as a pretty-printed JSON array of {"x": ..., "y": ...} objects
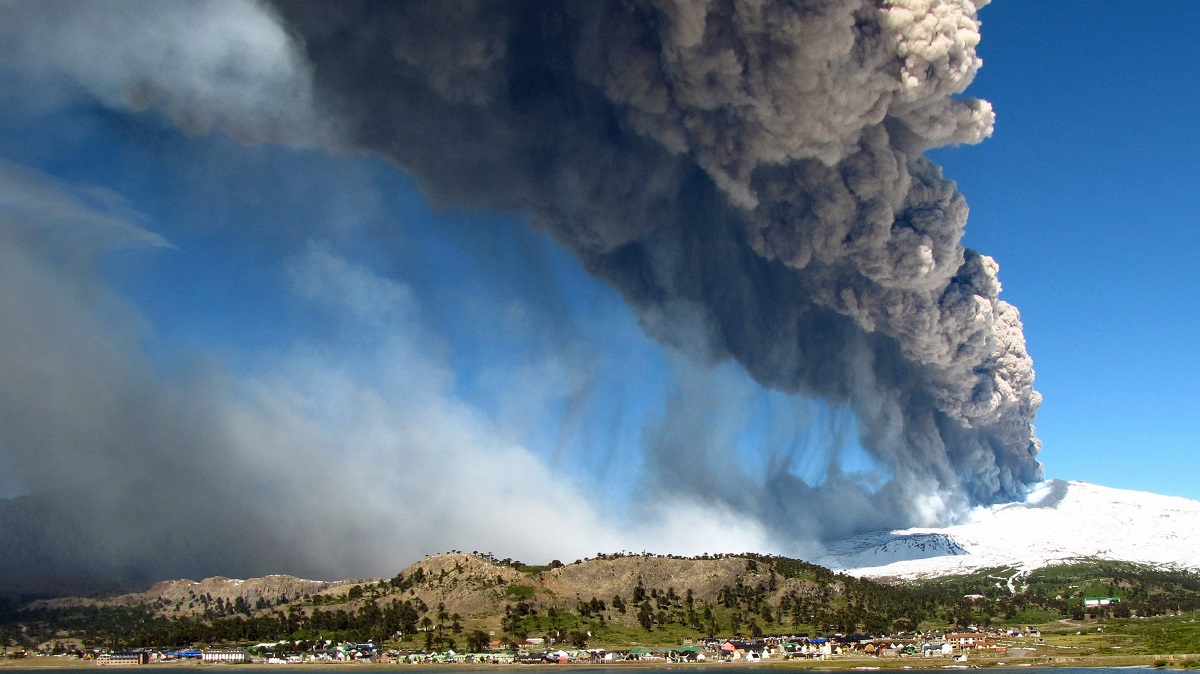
[{"x": 747, "y": 173}]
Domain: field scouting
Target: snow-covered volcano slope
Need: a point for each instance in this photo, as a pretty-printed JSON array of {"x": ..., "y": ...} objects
[{"x": 1058, "y": 522}]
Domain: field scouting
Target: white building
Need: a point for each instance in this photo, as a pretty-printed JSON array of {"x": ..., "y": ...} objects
[{"x": 225, "y": 655}]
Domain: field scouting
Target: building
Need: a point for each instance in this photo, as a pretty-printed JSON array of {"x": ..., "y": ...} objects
[
  {"x": 967, "y": 641},
  {"x": 225, "y": 655},
  {"x": 1089, "y": 602},
  {"x": 123, "y": 659}
]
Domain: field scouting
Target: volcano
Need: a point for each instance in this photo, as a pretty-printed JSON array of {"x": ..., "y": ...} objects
[{"x": 1058, "y": 522}]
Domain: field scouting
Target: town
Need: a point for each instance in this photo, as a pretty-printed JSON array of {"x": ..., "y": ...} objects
[
  {"x": 459, "y": 608},
  {"x": 958, "y": 647}
]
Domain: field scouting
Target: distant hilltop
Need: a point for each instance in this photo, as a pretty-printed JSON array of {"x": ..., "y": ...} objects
[
  {"x": 474, "y": 584},
  {"x": 184, "y": 596}
]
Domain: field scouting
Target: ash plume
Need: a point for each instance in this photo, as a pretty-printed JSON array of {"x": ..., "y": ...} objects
[{"x": 749, "y": 175}]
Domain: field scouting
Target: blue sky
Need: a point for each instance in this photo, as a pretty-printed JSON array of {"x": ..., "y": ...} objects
[
  {"x": 287, "y": 289},
  {"x": 1086, "y": 197}
]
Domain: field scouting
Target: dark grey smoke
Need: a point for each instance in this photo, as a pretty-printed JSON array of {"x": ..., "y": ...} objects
[{"x": 749, "y": 175}]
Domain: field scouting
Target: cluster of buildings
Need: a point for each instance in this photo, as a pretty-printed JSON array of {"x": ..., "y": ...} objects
[
  {"x": 143, "y": 657},
  {"x": 956, "y": 645},
  {"x": 342, "y": 652}
]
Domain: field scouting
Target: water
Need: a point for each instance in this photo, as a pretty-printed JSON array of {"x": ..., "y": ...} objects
[{"x": 586, "y": 669}]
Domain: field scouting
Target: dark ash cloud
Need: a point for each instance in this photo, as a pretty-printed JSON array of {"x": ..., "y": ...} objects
[{"x": 749, "y": 175}]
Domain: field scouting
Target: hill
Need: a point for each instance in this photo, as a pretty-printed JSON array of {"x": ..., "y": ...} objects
[
  {"x": 441, "y": 598},
  {"x": 611, "y": 600},
  {"x": 189, "y": 597}
]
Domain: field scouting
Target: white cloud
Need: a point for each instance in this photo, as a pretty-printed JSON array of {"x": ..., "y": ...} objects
[{"x": 229, "y": 64}]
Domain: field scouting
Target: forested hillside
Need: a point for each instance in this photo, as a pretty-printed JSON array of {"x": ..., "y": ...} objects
[{"x": 463, "y": 599}]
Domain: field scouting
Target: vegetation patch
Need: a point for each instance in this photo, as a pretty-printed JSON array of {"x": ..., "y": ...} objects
[{"x": 519, "y": 592}]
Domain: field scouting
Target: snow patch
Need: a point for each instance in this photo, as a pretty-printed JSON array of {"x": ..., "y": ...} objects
[{"x": 1058, "y": 522}]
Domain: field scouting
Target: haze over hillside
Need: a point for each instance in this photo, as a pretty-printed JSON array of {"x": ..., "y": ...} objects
[{"x": 1060, "y": 522}]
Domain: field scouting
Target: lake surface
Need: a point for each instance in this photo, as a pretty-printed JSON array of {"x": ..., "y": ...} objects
[
  {"x": 571, "y": 668},
  {"x": 724, "y": 668}
]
